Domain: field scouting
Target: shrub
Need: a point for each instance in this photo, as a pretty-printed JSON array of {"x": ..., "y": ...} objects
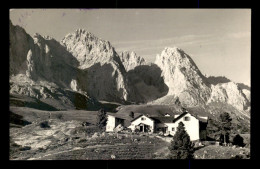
[
  {"x": 44, "y": 124},
  {"x": 60, "y": 116},
  {"x": 131, "y": 114},
  {"x": 25, "y": 148},
  {"x": 240, "y": 156},
  {"x": 90, "y": 130},
  {"x": 101, "y": 118},
  {"x": 238, "y": 140}
]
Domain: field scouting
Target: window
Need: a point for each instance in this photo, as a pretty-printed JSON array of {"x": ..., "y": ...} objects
[
  {"x": 186, "y": 118},
  {"x": 142, "y": 118},
  {"x": 173, "y": 129}
]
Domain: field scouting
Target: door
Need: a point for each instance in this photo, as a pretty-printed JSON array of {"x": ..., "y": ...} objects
[{"x": 141, "y": 128}]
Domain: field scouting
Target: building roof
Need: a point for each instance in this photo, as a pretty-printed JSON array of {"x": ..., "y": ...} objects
[
  {"x": 202, "y": 119},
  {"x": 169, "y": 119},
  {"x": 116, "y": 115},
  {"x": 141, "y": 116},
  {"x": 163, "y": 119},
  {"x": 180, "y": 116},
  {"x": 159, "y": 119}
]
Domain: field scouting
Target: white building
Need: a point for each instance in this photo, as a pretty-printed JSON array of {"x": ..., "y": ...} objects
[
  {"x": 168, "y": 124},
  {"x": 113, "y": 122}
]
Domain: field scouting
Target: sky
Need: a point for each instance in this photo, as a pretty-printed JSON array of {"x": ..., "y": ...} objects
[{"x": 218, "y": 40}]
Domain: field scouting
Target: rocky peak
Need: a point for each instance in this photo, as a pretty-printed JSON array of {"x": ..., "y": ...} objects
[
  {"x": 183, "y": 77},
  {"x": 231, "y": 94},
  {"x": 130, "y": 60},
  {"x": 88, "y": 49},
  {"x": 20, "y": 44}
]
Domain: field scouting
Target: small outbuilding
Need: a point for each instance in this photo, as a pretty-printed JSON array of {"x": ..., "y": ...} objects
[{"x": 113, "y": 122}]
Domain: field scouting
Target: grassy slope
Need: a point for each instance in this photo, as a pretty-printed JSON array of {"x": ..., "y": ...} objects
[
  {"x": 219, "y": 152},
  {"x": 78, "y": 102},
  {"x": 30, "y": 114},
  {"x": 68, "y": 140}
]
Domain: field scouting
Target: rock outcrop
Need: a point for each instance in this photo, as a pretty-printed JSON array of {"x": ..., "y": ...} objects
[
  {"x": 145, "y": 83},
  {"x": 20, "y": 44},
  {"x": 188, "y": 86},
  {"x": 87, "y": 66},
  {"x": 100, "y": 74},
  {"x": 229, "y": 93},
  {"x": 130, "y": 60},
  {"x": 103, "y": 71},
  {"x": 183, "y": 77}
]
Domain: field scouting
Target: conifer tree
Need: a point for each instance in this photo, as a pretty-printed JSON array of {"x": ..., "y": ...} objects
[
  {"x": 225, "y": 126},
  {"x": 131, "y": 114},
  {"x": 181, "y": 147},
  {"x": 101, "y": 118}
]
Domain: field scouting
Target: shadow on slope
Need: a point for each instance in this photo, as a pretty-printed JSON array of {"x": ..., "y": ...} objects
[
  {"x": 103, "y": 82},
  {"x": 216, "y": 80},
  {"x": 25, "y": 101},
  {"x": 17, "y": 119},
  {"x": 146, "y": 83},
  {"x": 57, "y": 65},
  {"x": 243, "y": 86}
]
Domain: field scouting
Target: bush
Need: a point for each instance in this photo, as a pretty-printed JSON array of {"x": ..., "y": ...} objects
[
  {"x": 90, "y": 130},
  {"x": 25, "y": 148},
  {"x": 44, "y": 124},
  {"x": 238, "y": 140},
  {"x": 101, "y": 118},
  {"x": 240, "y": 156},
  {"x": 77, "y": 130},
  {"x": 60, "y": 116}
]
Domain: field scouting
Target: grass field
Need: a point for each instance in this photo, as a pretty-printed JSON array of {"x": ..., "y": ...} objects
[
  {"x": 69, "y": 140},
  {"x": 220, "y": 152},
  {"x": 64, "y": 137}
]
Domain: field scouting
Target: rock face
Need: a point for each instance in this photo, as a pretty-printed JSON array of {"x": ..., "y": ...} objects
[
  {"x": 183, "y": 77},
  {"x": 103, "y": 71},
  {"x": 189, "y": 87},
  {"x": 247, "y": 94},
  {"x": 130, "y": 60},
  {"x": 146, "y": 83},
  {"x": 99, "y": 74},
  {"x": 47, "y": 96},
  {"x": 229, "y": 93},
  {"x": 20, "y": 44},
  {"x": 89, "y": 67},
  {"x": 88, "y": 49}
]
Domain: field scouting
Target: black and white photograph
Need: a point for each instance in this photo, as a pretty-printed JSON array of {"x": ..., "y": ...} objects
[{"x": 129, "y": 84}]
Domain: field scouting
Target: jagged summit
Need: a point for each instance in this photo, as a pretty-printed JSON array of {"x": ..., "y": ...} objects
[
  {"x": 88, "y": 49},
  {"x": 130, "y": 60},
  {"x": 187, "y": 84},
  {"x": 85, "y": 63},
  {"x": 183, "y": 77}
]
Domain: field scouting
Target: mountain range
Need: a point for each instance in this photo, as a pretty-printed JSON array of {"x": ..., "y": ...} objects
[{"x": 83, "y": 71}]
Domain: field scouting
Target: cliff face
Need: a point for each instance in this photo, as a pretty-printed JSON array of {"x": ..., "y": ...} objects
[
  {"x": 190, "y": 88},
  {"x": 88, "y": 49},
  {"x": 43, "y": 68},
  {"x": 103, "y": 71},
  {"x": 183, "y": 77},
  {"x": 20, "y": 44},
  {"x": 130, "y": 60},
  {"x": 229, "y": 93},
  {"x": 99, "y": 74}
]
